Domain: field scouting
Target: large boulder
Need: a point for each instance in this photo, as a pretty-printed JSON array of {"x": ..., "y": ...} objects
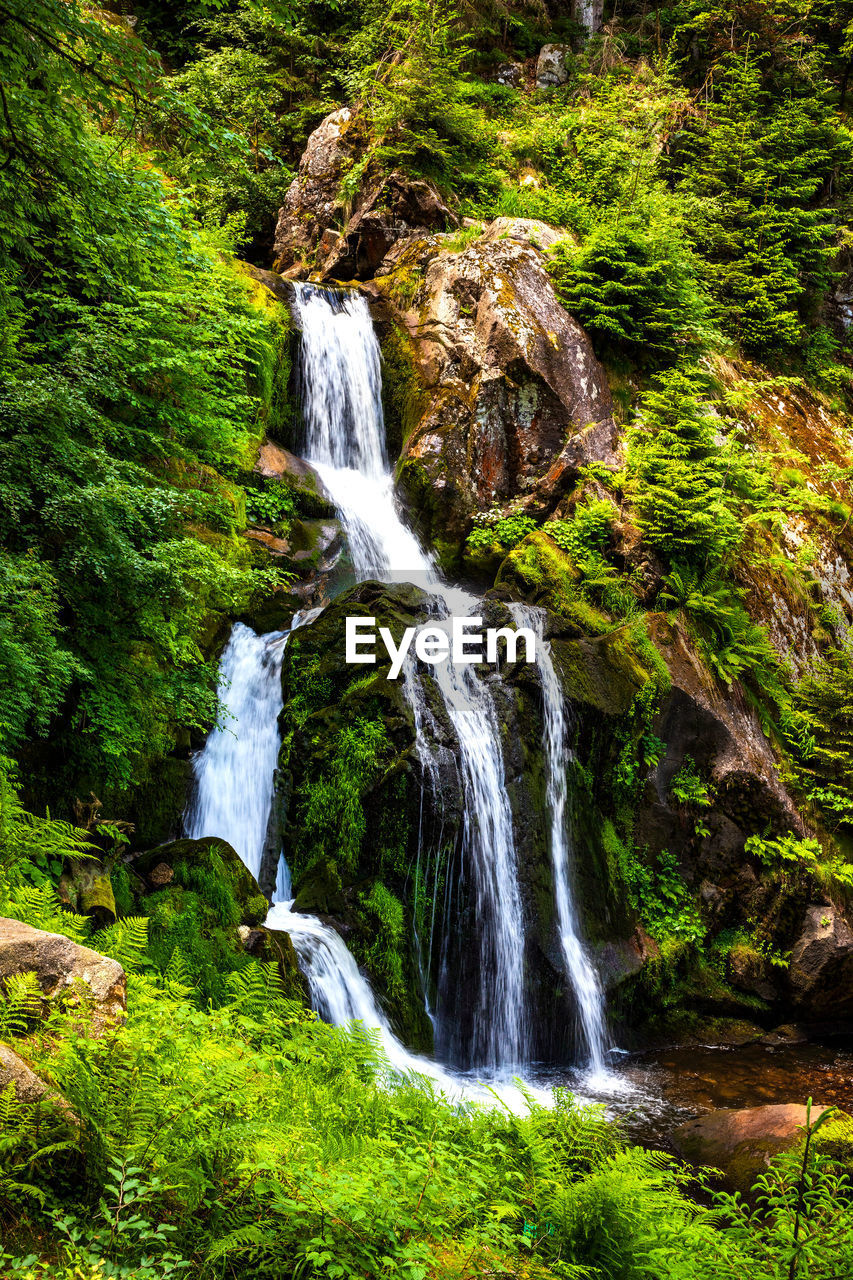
[
  {"x": 821, "y": 969},
  {"x": 150, "y": 868},
  {"x": 313, "y": 200},
  {"x": 347, "y": 233},
  {"x": 510, "y": 399},
  {"x": 741, "y": 1143},
  {"x": 64, "y": 970},
  {"x": 551, "y": 69}
]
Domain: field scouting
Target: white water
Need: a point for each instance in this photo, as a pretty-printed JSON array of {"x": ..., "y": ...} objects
[
  {"x": 579, "y": 968},
  {"x": 233, "y": 775},
  {"x": 345, "y": 441}
]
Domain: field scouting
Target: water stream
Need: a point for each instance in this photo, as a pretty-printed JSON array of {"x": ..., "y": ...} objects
[
  {"x": 579, "y": 968},
  {"x": 345, "y": 441}
]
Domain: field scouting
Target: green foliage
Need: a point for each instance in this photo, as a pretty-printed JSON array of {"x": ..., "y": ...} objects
[
  {"x": 680, "y": 472},
  {"x": 334, "y": 822},
  {"x": 385, "y": 918},
  {"x": 657, "y": 891},
  {"x": 492, "y": 530},
  {"x": 820, "y": 733},
  {"x": 805, "y": 854},
  {"x": 412, "y": 56},
  {"x": 273, "y": 504},
  {"x": 634, "y": 289},
  {"x": 760, "y": 158},
  {"x": 127, "y": 384},
  {"x": 32, "y": 849},
  {"x": 687, "y": 786}
]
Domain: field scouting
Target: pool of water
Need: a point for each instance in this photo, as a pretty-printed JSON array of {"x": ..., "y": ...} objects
[{"x": 652, "y": 1093}]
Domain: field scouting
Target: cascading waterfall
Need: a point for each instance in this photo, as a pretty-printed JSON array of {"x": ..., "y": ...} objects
[
  {"x": 341, "y": 387},
  {"x": 233, "y": 775},
  {"x": 579, "y": 968},
  {"x": 345, "y": 441}
]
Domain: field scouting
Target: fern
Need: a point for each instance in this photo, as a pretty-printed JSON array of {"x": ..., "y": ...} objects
[
  {"x": 125, "y": 941},
  {"x": 20, "y": 1003},
  {"x": 41, "y": 907}
]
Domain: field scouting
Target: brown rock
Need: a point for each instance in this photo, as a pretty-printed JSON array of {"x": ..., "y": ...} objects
[
  {"x": 312, "y": 202},
  {"x": 64, "y": 968},
  {"x": 381, "y": 211},
  {"x": 526, "y": 230},
  {"x": 742, "y": 1142},
  {"x": 277, "y": 547},
  {"x": 515, "y": 400},
  {"x": 30, "y": 1088},
  {"x": 162, "y": 874},
  {"x": 13, "y": 1070},
  {"x": 821, "y": 969}
]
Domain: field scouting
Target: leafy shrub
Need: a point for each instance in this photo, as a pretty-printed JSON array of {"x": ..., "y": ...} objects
[{"x": 634, "y": 290}]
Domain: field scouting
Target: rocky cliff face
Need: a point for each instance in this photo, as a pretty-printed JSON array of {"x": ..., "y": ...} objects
[{"x": 497, "y": 404}]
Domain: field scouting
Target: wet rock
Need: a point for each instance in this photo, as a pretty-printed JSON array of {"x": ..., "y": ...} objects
[
  {"x": 65, "y": 970},
  {"x": 788, "y": 1034},
  {"x": 274, "y": 462},
  {"x": 620, "y": 959},
  {"x": 278, "y": 548},
  {"x": 551, "y": 66},
  {"x": 511, "y": 398},
  {"x": 742, "y": 1142},
  {"x": 821, "y": 969}
]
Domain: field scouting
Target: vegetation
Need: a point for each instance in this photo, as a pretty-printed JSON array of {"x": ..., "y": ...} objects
[
  {"x": 697, "y": 164},
  {"x": 201, "y": 1139}
]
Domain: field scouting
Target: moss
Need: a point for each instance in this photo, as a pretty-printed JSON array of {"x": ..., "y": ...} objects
[{"x": 404, "y": 397}]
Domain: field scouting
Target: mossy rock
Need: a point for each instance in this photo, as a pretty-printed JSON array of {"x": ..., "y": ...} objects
[
  {"x": 242, "y": 883},
  {"x": 86, "y": 887}
]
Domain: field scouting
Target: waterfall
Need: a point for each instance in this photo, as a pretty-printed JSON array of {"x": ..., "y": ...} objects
[
  {"x": 233, "y": 775},
  {"x": 345, "y": 441},
  {"x": 580, "y": 970}
]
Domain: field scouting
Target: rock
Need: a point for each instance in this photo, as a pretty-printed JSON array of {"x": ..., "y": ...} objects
[
  {"x": 29, "y": 1087},
  {"x": 526, "y": 230},
  {"x": 381, "y": 210},
  {"x": 64, "y": 968},
  {"x": 277, "y": 547},
  {"x": 87, "y": 889},
  {"x": 788, "y": 1034},
  {"x": 742, "y": 1142},
  {"x": 243, "y": 883},
  {"x": 551, "y": 69},
  {"x": 508, "y": 73},
  {"x": 312, "y": 201},
  {"x": 274, "y": 462},
  {"x": 821, "y": 969},
  {"x": 511, "y": 398},
  {"x": 315, "y": 545},
  {"x": 621, "y": 958},
  {"x": 394, "y": 210},
  {"x": 161, "y": 875}
]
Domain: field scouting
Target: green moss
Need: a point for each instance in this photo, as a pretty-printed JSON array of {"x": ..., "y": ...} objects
[{"x": 404, "y": 396}]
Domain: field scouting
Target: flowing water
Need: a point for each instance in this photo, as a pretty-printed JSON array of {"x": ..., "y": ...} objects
[
  {"x": 341, "y": 385},
  {"x": 579, "y": 968},
  {"x": 233, "y": 775},
  {"x": 344, "y": 440}
]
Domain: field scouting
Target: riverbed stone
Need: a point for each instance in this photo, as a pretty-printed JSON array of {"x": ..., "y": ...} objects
[{"x": 742, "y": 1142}]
